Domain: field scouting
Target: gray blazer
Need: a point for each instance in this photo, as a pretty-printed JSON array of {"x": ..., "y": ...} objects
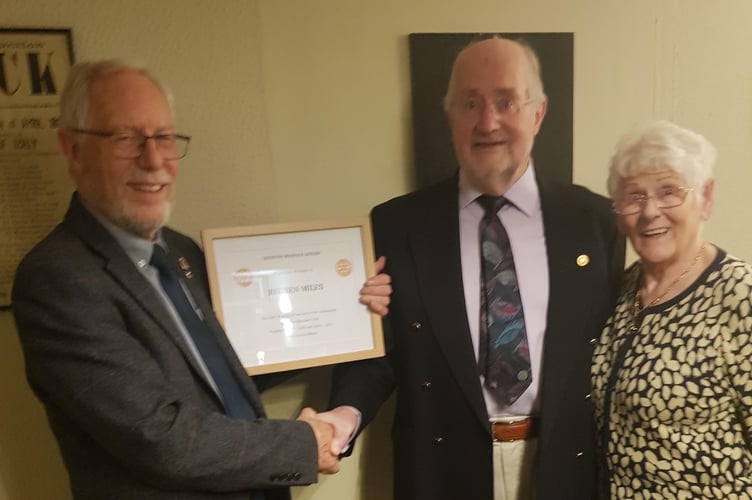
[
  {"x": 131, "y": 411},
  {"x": 441, "y": 433}
]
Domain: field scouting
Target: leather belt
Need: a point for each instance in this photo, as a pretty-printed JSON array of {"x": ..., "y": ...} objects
[{"x": 525, "y": 428}]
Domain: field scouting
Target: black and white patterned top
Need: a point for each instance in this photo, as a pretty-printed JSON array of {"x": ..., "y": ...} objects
[{"x": 673, "y": 395}]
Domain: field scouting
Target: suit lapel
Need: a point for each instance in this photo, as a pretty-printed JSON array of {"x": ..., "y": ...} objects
[
  {"x": 184, "y": 262},
  {"x": 568, "y": 236},
  {"x": 436, "y": 252},
  {"x": 120, "y": 267}
]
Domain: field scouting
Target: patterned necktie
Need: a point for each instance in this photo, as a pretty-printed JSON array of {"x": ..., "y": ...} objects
[
  {"x": 235, "y": 402},
  {"x": 504, "y": 357}
]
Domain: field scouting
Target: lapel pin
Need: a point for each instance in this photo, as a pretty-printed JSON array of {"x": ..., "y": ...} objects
[
  {"x": 185, "y": 267},
  {"x": 583, "y": 260}
]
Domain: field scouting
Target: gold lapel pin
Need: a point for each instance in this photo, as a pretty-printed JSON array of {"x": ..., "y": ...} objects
[{"x": 583, "y": 260}]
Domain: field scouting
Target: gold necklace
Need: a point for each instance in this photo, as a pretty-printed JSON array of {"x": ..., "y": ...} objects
[{"x": 638, "y": 307}]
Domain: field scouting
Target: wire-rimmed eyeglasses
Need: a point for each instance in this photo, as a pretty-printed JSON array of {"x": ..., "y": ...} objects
[
  {"x": 666, "y": 197},
  {"x": 130, "y": 145},
  {"x": 505, "y": 106}
]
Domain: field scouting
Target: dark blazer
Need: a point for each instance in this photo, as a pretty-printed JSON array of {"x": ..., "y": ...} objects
[
  {"x": 132, "y": 413},
  {"x": 441, "y": 433}
]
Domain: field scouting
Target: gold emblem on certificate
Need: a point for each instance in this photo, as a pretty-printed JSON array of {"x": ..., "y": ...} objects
[
  {"x": 343, "y": 267},
  {"x": 243, "y": 277}
]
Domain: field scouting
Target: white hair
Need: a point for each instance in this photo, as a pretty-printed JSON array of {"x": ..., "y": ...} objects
[
  {"x": 74, "y": 99},
  {"x": 662, "y": 145}
]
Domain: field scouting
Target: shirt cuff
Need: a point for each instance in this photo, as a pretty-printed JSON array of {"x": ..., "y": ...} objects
[{"x": 359, "y": 418}]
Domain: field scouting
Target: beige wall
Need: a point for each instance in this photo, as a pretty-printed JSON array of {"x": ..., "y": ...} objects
[{"x": 300, "y": 110}]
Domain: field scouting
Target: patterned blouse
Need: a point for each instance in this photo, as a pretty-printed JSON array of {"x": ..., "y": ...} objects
[{"x": 672, "y": 389}]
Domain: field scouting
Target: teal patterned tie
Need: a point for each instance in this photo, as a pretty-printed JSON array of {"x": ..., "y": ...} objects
[{"x": 504, "y": 356}]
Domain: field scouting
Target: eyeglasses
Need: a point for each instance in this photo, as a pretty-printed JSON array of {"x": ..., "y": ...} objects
[
  {"x": 130, "y": 145},
  {"x": 473, "y": 106},
  {"x": 666, "y": 197}
]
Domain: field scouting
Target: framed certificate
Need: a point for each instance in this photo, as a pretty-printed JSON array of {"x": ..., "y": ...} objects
[{"x": 287, "y": 294}]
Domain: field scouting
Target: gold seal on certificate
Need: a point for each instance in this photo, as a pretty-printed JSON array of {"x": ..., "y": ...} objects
[
  {"x": 243, "y": 277},
  {"x": 344, "y": 268},
  {"x": 287, "y": 294}
]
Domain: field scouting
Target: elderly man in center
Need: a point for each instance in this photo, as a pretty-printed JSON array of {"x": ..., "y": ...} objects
[{"x": 501, "y": 281}]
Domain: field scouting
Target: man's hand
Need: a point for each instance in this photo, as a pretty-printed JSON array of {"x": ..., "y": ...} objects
[
  {"x": 344, "y": 420},
  {"x": 324, "y": 432},
  {"x": 377, "y": 290}
]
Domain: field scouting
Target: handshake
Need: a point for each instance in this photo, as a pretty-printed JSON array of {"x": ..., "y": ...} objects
[{"x": 333, "y": 430}]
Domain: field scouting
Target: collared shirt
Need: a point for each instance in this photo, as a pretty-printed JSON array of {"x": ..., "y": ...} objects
[
  {"x": 139, "y": 250},
  {"x": 523, "y": 220}
]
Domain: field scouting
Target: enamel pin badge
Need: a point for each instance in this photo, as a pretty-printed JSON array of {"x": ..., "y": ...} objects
[{"x": 185, "y": 267}]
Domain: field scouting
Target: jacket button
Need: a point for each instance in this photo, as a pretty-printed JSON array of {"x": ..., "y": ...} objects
[
  {"x": 587, "y": 396},
  {"x": 438, "y": 441},
  {"x": 297, "y": 476},
  {"x": 579, "y": 454},
  {"x": 417, "y": 325},
  {"x": 593, "y": 341},
  {"x": 425, "y": 386}
]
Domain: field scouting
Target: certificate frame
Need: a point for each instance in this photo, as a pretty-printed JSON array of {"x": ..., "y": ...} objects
[{"x": 287, "y": 294}]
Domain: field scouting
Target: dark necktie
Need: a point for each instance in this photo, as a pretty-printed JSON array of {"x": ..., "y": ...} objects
[
  {"x": 504, "y": 357},
  {"x": 235, "y": 402}
]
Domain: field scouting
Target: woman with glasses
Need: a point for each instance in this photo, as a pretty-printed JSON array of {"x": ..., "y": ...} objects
[{"x": 672, "y": 371}]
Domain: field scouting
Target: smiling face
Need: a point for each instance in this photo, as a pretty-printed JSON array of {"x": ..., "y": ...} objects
[
  {"x": 665, "y": 237},
  {"x": 493, "y": 145},
  {"x": 134, "y": 194}
]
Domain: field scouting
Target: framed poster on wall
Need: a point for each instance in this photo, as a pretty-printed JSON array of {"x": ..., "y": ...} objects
[{"x": 34, "y": 183}]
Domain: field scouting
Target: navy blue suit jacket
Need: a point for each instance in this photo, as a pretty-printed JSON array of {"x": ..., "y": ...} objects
[{"x": 441, "y": 433}]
